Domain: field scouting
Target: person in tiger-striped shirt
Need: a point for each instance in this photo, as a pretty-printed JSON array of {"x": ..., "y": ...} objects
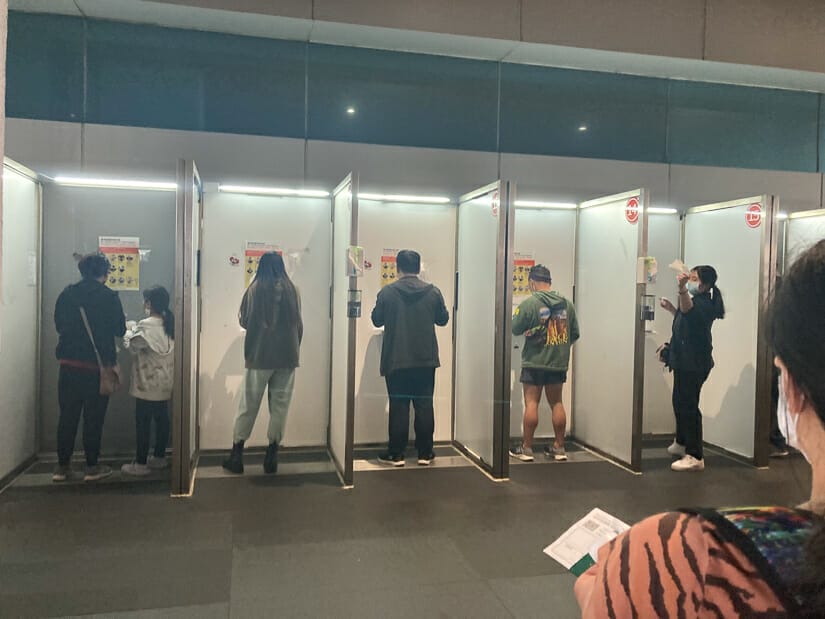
[{"x": 743, "y": 562}]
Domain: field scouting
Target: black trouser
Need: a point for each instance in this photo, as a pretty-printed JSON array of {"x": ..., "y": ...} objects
[
  {"x": 687, "y": 385},
  {"x": 414, "y": 385},
  {"x": 145, "y": 412},
  {"x": 78, "y": 392}
]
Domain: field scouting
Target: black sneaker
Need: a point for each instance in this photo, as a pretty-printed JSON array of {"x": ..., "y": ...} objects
[
  {"x": 271, "y": 459},
  {"x": 391, "y": 459},
  {"x": 426, "y": 459}
]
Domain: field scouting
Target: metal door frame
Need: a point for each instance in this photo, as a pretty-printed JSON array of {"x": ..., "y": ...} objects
[
  {"x": 187, "y": 278},
  {"x": 345, "y": 469},
  {"x": 499, "y": 469}
]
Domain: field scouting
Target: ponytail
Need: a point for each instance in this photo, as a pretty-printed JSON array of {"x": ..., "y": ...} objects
[
  {"x": 708, "y": 276},
  {"x": 158, "y": 299},
  {"x": 718, "y": 301}
]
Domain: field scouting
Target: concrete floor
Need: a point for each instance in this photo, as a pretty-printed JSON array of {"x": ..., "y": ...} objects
[{"x": 445, "y": 542}]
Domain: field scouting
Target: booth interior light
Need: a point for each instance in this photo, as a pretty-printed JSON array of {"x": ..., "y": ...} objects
[
  {"x": 781, "y": 216},
  {"x": 567, "y": 206},
  {"x": 381, "y": 197},
  {"x": 112, "y": 183},
  {"x": 659, "y": 210},
  {"x": 274, "y": 191}
]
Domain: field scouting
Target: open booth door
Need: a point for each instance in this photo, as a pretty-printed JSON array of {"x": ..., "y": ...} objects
[
  {"x": 608, "y": 384},
  {"x": 185, "y": 431},
  {"x": 345, "y": 308},
  {"x": 738, "y": 238},
  {"x": 802, "y": 230},
  {"x": 481, "y": 327}
]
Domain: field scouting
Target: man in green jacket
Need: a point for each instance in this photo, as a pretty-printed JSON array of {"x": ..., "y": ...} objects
[{"x": 548, "y": 322}]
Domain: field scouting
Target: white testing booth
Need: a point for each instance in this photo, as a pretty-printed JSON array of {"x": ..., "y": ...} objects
[
  {"x": 19, "y": 318},
  {"x": 142, "y": 226},
  {"x": 738, "y": 238},
  {"x": 801, "y": 231}
]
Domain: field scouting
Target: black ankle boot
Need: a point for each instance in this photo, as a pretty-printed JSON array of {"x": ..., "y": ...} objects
[
  {"x": 271, "y": 459},
  {"x": 234, "y": 463}
]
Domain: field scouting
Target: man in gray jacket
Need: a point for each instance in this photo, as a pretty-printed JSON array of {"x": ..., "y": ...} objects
[{"x": 408, "y": 310}]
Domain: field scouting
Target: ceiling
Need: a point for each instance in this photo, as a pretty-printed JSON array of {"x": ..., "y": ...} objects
[{"x": 269, "y": 26}]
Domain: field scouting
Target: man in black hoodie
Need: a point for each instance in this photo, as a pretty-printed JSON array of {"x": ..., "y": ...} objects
[
  {"x": 79, "y": 383},
  {"x": 408, "y": 310}
]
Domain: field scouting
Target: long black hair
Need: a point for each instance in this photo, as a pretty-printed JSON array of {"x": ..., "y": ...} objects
[
  {"x": 708, "y": 276},
  {"x": 271, "y": 274},
  {"x": 797, "y": 333},
  {"x": 158, "y": 299}
]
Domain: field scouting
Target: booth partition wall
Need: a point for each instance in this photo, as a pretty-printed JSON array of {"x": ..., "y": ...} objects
[
  {"x": 19, "y": 318},
  {"x": 483, "y": 302},
  {"x": 738, "y": 238},
  {"x": 801, "y": 231},
  {"x": 608, "y": 374}
]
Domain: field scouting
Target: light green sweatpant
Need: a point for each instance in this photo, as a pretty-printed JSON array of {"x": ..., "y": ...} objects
[{"x": 280, "y": 384}]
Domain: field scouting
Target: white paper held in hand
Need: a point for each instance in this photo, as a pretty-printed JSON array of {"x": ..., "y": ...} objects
[{"x": 585, "y": 537}]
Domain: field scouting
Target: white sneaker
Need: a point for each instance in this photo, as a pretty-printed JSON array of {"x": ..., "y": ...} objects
[
  {"x": 157, "y": 464},
  {"x": 688, "y": 463},
  {"x": 525, "y": 454},
  {"x": 135, "y": 469},
  {"x": 677, "y": 450}
]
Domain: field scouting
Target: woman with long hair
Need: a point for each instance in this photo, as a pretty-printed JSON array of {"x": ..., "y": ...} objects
[
  {"x": 746, "y": 562},
  {"x": 271, "y": 314},
  {"x": 691, "y": 359}
]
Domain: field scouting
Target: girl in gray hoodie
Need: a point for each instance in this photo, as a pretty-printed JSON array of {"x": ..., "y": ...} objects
[{"x": 152, "y": 344}]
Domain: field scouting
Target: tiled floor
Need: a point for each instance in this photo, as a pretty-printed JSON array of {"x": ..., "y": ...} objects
[{"x": 439, "y": 542}]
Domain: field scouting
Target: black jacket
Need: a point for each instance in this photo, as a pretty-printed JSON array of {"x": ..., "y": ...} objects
[
  {"x": 106, "y": 319},
  {"x": 691, "y": 347},
  {"x": 408, "y": 310}
]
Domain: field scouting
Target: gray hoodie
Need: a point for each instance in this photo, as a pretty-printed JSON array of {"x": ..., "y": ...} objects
[
  {"x": 408, "y": 310},
  {"x": 153, "y": 369}
]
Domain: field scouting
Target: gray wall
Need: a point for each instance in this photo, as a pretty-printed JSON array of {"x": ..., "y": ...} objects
[
  {"x": 73, "y": 219},
  {"x": 772, "y": 33}
]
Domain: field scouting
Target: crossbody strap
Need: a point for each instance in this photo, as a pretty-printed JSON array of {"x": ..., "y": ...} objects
[{"x": 91, "y": 337}]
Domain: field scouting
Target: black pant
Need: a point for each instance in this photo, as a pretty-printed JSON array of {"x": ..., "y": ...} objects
[
  {"x": 687, "y": 385},
  {"x": 78, "y": 392},
  {"x": 145, "y": 412},
  {"x": 414, "y": 385}
]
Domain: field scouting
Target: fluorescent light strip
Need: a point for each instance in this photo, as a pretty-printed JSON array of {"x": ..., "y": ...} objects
[
  {"x": 781, "y": 216},
  {"x": 273, "y": 191},
  {"x": 381, "y": 197},
  {"x": 110, "y": 183},
  {"x": 549, "y": 205},
  {"x": 656, "y": 210}
]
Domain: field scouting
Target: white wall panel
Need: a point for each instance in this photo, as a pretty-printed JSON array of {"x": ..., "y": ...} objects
[
  {"x": 572, "y": 179},
  {"x": 234, "y": 159},
  {"x": 801, "y": 234},
  {"x": 397, "y": 169},
  {"x": 46, "y": 146},
  {"x": 18, "y": 320},
  {"x": 301, "y": 228},
  {"x": 692, "y": 185},
  {"x": 430, "y": 230}
]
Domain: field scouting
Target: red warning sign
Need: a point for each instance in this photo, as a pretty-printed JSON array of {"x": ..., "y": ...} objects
[
  {"x": 631, "y": 210},
  {"x": 753, "y": 216}
]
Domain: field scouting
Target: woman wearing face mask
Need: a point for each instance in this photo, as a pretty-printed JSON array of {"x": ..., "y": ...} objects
[
  {"x": 691, "y": 346},
  {"x": 747, "y": 562},
  {"x": 151, "y": 342}
]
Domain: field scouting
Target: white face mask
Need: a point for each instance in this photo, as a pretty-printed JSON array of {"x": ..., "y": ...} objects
[
  {"x": 147, "y": 311},
  {"x": 693, "y": 288},
  {"x": 786, "y": 420}
]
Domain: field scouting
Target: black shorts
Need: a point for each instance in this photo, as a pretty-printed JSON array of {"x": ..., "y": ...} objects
[{"x": 532, "y": 376}]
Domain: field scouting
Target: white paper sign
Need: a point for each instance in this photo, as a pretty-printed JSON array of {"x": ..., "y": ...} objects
[{"x": 585, "y": 538}]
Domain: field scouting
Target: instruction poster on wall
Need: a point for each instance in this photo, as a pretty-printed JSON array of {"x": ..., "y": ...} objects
[
  {"x": 389, "y": 269},
  {"x": 123, "y": 253},
  {"x": 252, "y": 258},
  {"x": 522, "y": 263}
]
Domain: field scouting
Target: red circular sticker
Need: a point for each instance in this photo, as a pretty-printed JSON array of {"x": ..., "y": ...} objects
[
  {"x": 753, "y": 216},
  {"x": 495, "y": 203},
  {"x": 631, "y": 211}
]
